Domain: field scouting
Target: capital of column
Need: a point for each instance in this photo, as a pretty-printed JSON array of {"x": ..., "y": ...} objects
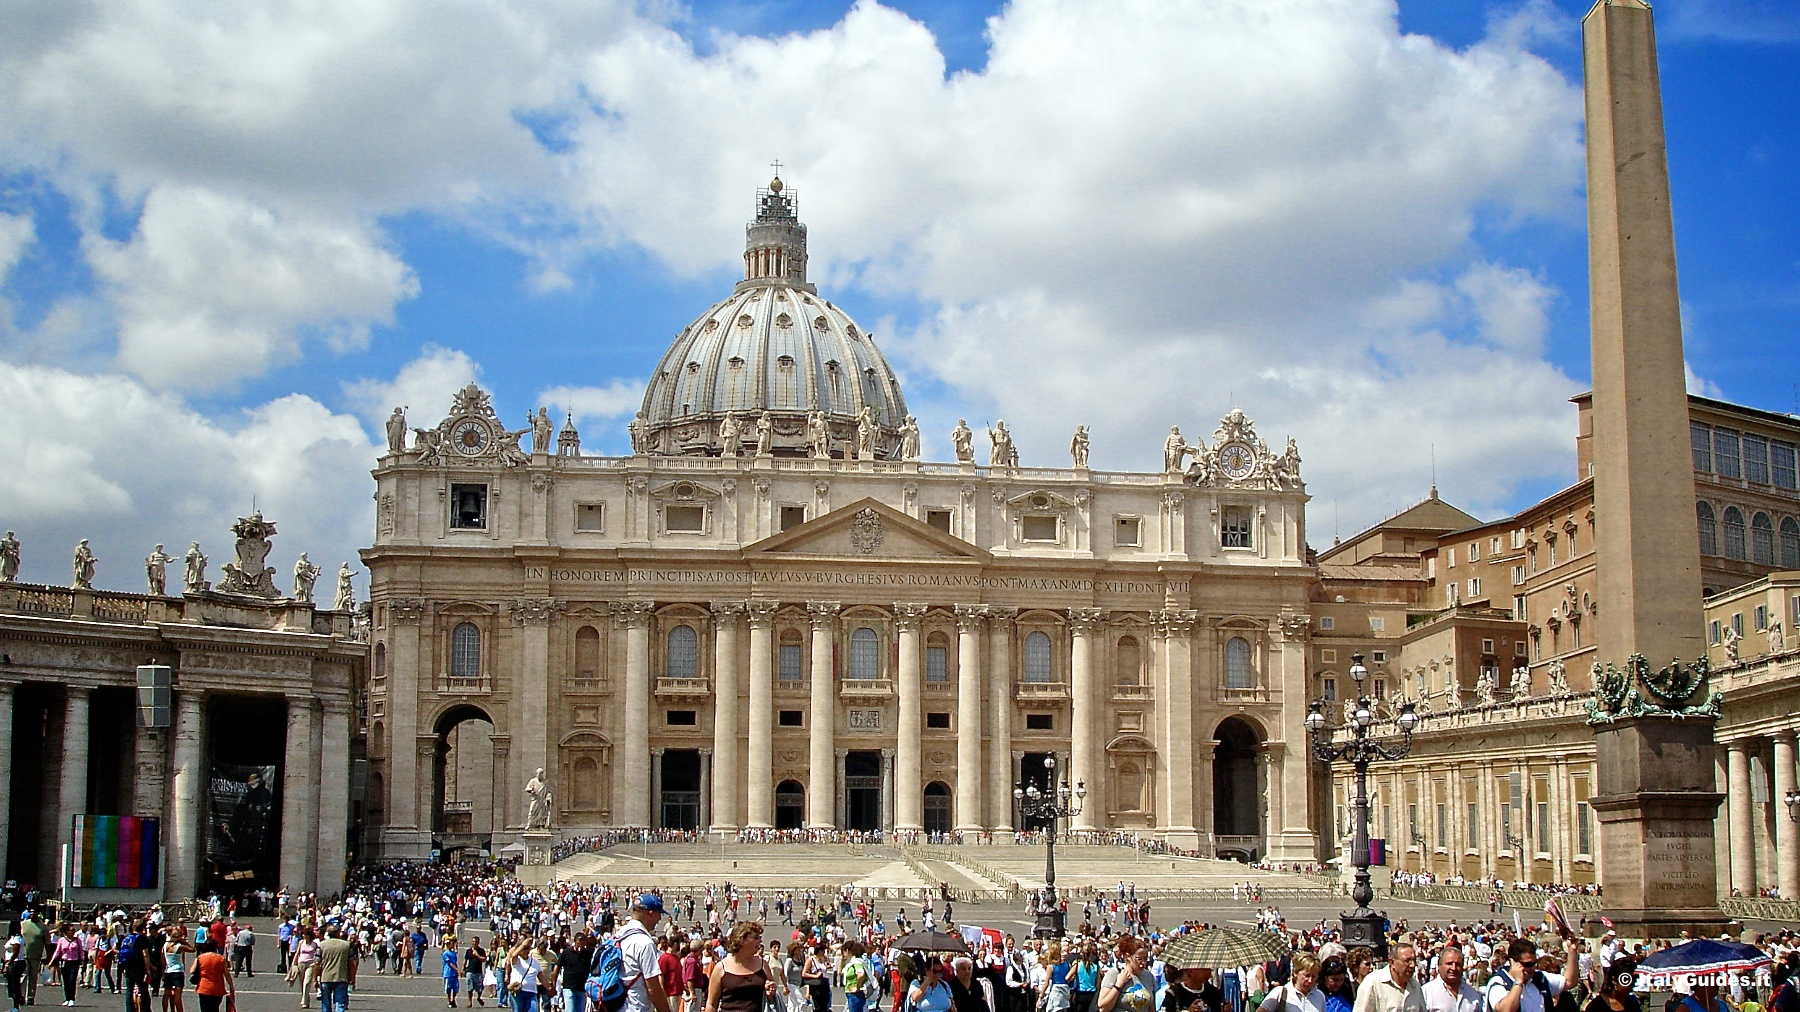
[
  {"x": 970, "y": 617},
  {"x": 303, "y": 704},
  {"x": 908, "y": 616},
  {"x": 502, "y": 744},
  {"x": 407, "y": 610},
  {"x": 425, "y": 748},
  {"x": 727, "y": 612},
  {"x": 1787, "y": 736},
  {"x": 842, "y": 753},
  {"x": 74, "y": 691},
  {"x": 1176, "y": 621},
  {"x": 706, "y": 752},
  {"x": 536, "y": 610},
  {"x": 657, "y": 752},
  {"x": 633, "y": 613},
  {"x": 1272, "y": 751},
  {"x": 824, "y": 613},
  {"x": 999, "y": 614},
  {"x": 1086, "y": 621},
  {"x": 887, "y": 753},
  {"x": 762, "y": 613}
]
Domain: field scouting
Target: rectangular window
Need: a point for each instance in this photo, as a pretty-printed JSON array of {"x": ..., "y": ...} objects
[
  {"x": 1756, "y": 458},
  {"x": 1330, "y": 690},
  {"x": 792, "y": 517},
  {"x": 1234, "y": 522},
  {"x": 1473, "y": 826},
  {"x": 1701, "y": 438},
  {"x": 468, "y": 506},
  {"x": 1475, "y": 587},
  {"x": 1781, "y": 463},
  {"x": 1584, "y": 838},
  {"x": 1379, "y": 656},
  {"x": 1377, "y": 623},
  {"x": 1125, "y": 532},
  {"x": 1759, "y": 619},
  {"x": 1506, "y": 826},
  {"x": 1543, "y": 826},
  {"x": 791, "y": 718},
  {"x": 1329, "y": 656},
  {"x": 1380, "y": 688},
  {"x": 1518, "y": 538},
  {"x": 684, "y": 519},
  {"x": 1494, "y": 545},
  {"x": 1412, "y": 819},
  {"x": 1443, "y": 825},
  {"x": 939, "y": 721},
  {"x": 1487, "y": 646},
  {"x": 590, "y": 517},
  {"x": 937, "y": 664},
  {"x": 682, "y": 718},
  {"x": 1737, "y": 622},
  {"x": 1327, "y": 623},
  {"x": 788, "y": 662},
  {"x": 1038, "y": 528},
  {"x": 1725, "y": 452},
  {"x": 1430, "y": 566},
  {"x": 1519, "y": 645},
  {"x": 939, "y": 519},
  {"x": 1451, "y": 590},
  {"x": 1518, "y": 576},
  {"x": 1035, "y": 722},
  {"x": 1713, "y": 632},
  {"x": 1474, "y": 551},
  {"x": 1450, "y": 558}
]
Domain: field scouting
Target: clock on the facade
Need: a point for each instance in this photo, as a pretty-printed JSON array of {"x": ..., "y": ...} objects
[
  {"x": 469, "y": 436},
  {"x": 1236, "y": 460}
]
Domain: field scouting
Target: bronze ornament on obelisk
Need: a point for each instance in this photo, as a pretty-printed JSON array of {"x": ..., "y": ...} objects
[{"x": 1653, "y": 713}]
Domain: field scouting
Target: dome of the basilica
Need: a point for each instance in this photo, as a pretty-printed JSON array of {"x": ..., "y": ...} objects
[{"x": 774, "y": 346}]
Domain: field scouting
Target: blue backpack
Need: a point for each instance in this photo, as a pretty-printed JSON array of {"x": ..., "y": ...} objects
[
  {"x": 128, "y": 948},
  {"x": 606, "y": 981}
]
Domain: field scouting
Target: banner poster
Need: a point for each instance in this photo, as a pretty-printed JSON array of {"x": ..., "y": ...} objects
[
  {"x": 115, "y": 852},
  {"x": 241, "y": 817}
]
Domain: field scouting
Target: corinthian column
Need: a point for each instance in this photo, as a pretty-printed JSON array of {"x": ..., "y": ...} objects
[
  {"x": 727, "y": 813},
  {"x": 1085, "y": 702},
  {"x": 908, "y": 771},
  {"x": 969, "y": 619},
  {"x": 634, "y": 745},
  {"x": 821, "y": 738},
  {"x": 760, "y": 766},
  {"x": 1000, "y": 714}
]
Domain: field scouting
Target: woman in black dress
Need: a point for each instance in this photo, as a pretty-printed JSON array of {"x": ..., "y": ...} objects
[{"x": 742, "y": 981}]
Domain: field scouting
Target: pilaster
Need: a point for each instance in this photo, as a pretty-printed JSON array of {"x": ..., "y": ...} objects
[
  {"x": 1000, "y": 717},
  {"x": 908, "y": 773},
  {"x": 1084, "y": 750},
  {"x": 299, "y": 797},
  {"x": 73, "y": 792},
  {"x": 969, "y": 620},
  {"x": 821, "y": 731},
  {"x": 185, "y": 792}
]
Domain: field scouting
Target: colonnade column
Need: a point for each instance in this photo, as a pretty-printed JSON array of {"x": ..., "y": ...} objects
[
  {"x": 1787, "y": 831},
  {"x": 332, "y": 856},
  {"x": 501, "y": 817},
  {"x": 1175, "y": 627},
  {"x": 633, "y": 770},
  {"x": 72, "y": 797},
  {"x": 183, "y": 876},
  {"x": 1000, "y": 715},
  {"x": 6, "y": 788},
  {"x": 1084, "y": 757},
  {"x": 727, "y": 811},
  {"x": 1271, "y": 762},
  {"x": 908, "y": 775},
  {"x": 887, "y": 790},
  {"x": 821, "y": 731},
  {"x": 760, "y": 766},
  {"x": 299, "y": 797},
  {"x": 969, "y": 619},
  {"x": 1743, "y": 831}
]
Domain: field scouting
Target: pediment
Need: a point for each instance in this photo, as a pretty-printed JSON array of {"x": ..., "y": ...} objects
[
  {"x": 867, "y": 529},
  {"x": 1041, "y": 499}
]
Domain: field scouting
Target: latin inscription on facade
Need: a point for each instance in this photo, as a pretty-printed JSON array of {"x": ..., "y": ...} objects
[{"x": 847, "y": 578}]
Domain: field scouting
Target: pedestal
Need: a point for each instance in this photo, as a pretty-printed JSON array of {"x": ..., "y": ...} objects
[
  {"x": 1049, "y": 924},
  {"x": 538, "y": 845}
]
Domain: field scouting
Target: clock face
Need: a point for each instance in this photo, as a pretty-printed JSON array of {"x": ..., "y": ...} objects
[
  {"x": 469, "y": 436},
  {"x": 1236, "y": 460}
]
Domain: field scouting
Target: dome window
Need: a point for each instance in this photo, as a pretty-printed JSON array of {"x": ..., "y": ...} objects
[
  {"x": 712, "y": 325},
  {"x": 745, "y": 321},
  {"x": 785, "y": 361},
  {"x": 869, "y": 374},
  {"x": 784, "y": 321},
  {"x": 851, "y": 330},
  {"x": 780, "y": 296},
  {"x": 693, "y": 367},
  {"x": 832, "y": 366},
  {"x": 755, "y": 296},
  {"x": 736, "y": 362},
  {"x": 819, "y": 323}
]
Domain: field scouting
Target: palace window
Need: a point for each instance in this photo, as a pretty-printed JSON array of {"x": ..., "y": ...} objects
[
  {"x": 465, "y": 651},
  {"x": 791, "y": 718},
  {"x": 1734, "y": 533},
  {"x": 1759, "y": 618},
  {"x": 1701, "y": 438},
  {"x": 1235, "y": 527},
  {"x": 1329, "y": 690},
  {"x": 792, "y": 517},
  {"x": 1584, "y": 831},
  {"x": 1125, "y": 532},
  {"x": 1709, "y": 528},
  {"x": 1474, "y": 551},
  {"x": 1237, "y": 664},
  {"x": 590, "y": 518},
  {"x": 684, "y": 652},
  {"x": 1781, "y": 460},
  {"x": 788, "y": 657},
  {"x": 939, "y": 519},
  {"x": 468, "y": 506},
  {"x": 1790, "y": 543},
  {"x": 1037, "y": 657},
  {"x": 1762, "y": 540},
  {"x": 938, "y": 721},
  {"x": 937, "y": 659},
  {"x": 1756, "y": 459},
  {"x": 1472, "y": 828},
  {"x": 1725, "y": 452},
  {"x": 865, "y": 654}
]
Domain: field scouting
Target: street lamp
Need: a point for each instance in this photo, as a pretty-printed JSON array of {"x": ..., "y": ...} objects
[
  {"x": 1057, "y": 800},
  {"x": 1362, "y": 926},
  {"x": 1793, "y": 804}
]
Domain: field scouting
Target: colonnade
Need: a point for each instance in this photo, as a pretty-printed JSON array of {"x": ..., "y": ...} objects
[{"x": 1755, "y": 811}]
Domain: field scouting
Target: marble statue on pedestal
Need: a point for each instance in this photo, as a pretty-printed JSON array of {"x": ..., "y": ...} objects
[
  {"x": 1001, "y": 451},
  {"x": 909, "y": 439},
  {"x": 1078, "y": 447},
  {"x": 346, "y": 592},
  {"x": 1521, "y": 682},
  {"x": 306, "y": 573},
  {"x": 9, "y": 558},
  {"x": 537, "y": 812},
  {"x": 765, "y": 435},
  {"x": 866, "y": 431},
  {"x": 1729, "y": 637},
  {"x": 194, "y": 580},
  {"x": 84, "y": 564},
  {"x": 1559, "y": 678},
  {"x": 396, "y": 431},
  {"x": 1486, "y": 686},
  {"x": 730, "y": 435},
  {"x": 541, "y": 431},
  {"x": 639, "y": 438},
  {"x": 1777, "y": 637},
  {"x": 818, "y": 435},
  {"x": 964, "y": 441},
  {"x": 1174, "y": 449},
  {"x": 156, "y": 570},
  {"x": 248, "y": 574}
]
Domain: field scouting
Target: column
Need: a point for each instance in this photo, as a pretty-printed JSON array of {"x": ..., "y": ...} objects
[
  {"x": 1271, "y": 764},
  {"x": 969, "y": 619},
  {"x": 1174, "y": 627},
  {"x": 334, "y": 801},
  {"x": 1000, "y": 717},
  {"x": 6, "y": 785},
  {"x": 1203, "y": 783},
  {"x": 631, "y": 804},
  {"x": 426, "y": 756},
  {"x": 887, "y": 790},
  {"x": 760, "y": 766},
  {"x": 839, "y": 804},
  {"x": 502, "y": 816},
  {"x": 909, "y": 798},
  {"x": 653, "y": 818},
  {"x": 1787, "y": 831},
  {"x": 708, "y": 809},
  {"x": 150, "y": 770},
  {"x": 727, "y": 809},
  {"x": 821, "y": 731},
  {"x": 72, "y": 797},
  {"x": 531, "y": 726},
  {"x": 185, "y": 788},
  {"x": 1084, "y": 757},
  {"x": 299, "y": 797},
  {"x": 1743, "y": 839},
  {"x": 401, "y": 836}
]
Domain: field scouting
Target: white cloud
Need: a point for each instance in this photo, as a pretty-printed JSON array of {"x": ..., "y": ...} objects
[
  {"x": 17, "y": 233},
  {"x": 614, "y": 400},
  {"x": 424, "y": 386}
]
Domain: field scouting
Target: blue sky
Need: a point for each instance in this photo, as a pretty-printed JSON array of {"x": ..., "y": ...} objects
[{"x": 227, "y": 247}]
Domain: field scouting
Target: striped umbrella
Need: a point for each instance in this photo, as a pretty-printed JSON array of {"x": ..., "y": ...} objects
[{"x": 1223, "y": 947}]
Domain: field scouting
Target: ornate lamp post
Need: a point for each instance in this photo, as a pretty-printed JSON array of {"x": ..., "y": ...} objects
[
  {"x": 1792, "y": 799},
  {"x": 1057, "y": 801},
  {"x": 1362, "y": 926}
]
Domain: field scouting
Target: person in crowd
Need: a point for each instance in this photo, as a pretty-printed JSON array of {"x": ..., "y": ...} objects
[
  {"x": 303, "y": 969},
  {"x": 174, "y": 967},
  {"x": 452, "y": 971},
  {"x": 1447, "y": 991},
  {"x": 1520, "y": 986},
  {"x": 1394, "y": 987},
  {"x": 1301, "y": 993},
  {"x": 215, "y": 983},
  {"x": 573, "y": 965},
  {"x": 1192, "y": 990},
  {"x": 1129, "y": 986},
  {"x": 931, "y": 992},
  {"x": 68, "y": 957},
  {"x": 638, "y": 956},
  {"x": 742, "y": 980},
  {"x": 475, "y": 972},
  {"x": 1615, "y": 993},
  {"x": 336, "y": 970}
]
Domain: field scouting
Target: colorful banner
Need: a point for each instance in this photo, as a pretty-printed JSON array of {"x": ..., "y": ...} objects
[{"x": 116, "y": 852}]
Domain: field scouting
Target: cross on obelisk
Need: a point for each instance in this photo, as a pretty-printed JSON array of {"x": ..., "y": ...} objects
[{"x": 1656, "y": 798}]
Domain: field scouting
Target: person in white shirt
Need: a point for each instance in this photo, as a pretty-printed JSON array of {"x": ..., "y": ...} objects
[
  {"x": 1448, "y": 991},
  {"x": 1301, "y": 993},
  {"x": 637, "y": 956},
  {"x": 1394, "y": 987},
  {"x": 1521, "y": 986}
]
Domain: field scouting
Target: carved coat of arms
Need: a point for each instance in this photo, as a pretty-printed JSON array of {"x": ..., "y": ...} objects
[{"x": 867, "y": 531}]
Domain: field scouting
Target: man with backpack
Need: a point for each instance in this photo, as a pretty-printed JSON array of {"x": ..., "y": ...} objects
[
  {"x": 636, "y": 962},
  {"x": 134, "y": 968}
]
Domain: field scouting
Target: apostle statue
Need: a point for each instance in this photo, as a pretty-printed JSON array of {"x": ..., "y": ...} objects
[
  {"x": 1521, "y": 682},
  {"x": 964, "y": 440},
  {"x": 156, "y": 570},
  {"x": 1174, "y": 449},
  {"x": 84, "y": 563},
  {"x": 818, "y": 434},
  {"x": 346, "y": 593},
  {"x": 1078, "y": 447},
  {"x": 306, "y": 573},
  {"x": 537, "y": 814},
  {"x": 730, "y": 435},
  {"x": 1777, "y": 637},
  {"x": 194, "y": 580},
  {"x": 640, "y": 437},
  {"x": 1485, "y": 687},
  {"x": 396, "y": 431},
  {"x": 541, "y": 431},
  {"x": 909, "y": 439},
  {"x": 9, "y": 558},
  {"x": 866, "y": 432},
  {"x": 765, "y": 435},
  {"x": 1001, "y": 451},
  {"x": 1559, "y": 678}
]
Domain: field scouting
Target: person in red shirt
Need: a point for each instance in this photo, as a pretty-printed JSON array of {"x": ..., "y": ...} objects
[{"x": 669, "y": 965}]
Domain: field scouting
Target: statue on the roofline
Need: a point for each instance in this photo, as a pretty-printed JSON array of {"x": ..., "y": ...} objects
[
  {"x": 156, "y": 570},
  {"x": 84, "y": 565}
]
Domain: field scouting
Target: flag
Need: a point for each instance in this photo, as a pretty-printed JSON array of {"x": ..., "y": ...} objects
[{"x": 1553, "y": 914}]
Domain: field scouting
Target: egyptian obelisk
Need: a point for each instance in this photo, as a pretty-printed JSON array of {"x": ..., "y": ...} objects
[{"x": 1653, "y": 727}]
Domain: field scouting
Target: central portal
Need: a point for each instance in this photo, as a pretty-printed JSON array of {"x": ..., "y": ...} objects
[
  {"x": 862, "y": 790},
  {"x": 681, "y": 789}
]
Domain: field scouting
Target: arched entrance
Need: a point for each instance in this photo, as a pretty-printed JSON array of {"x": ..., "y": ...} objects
[
  {"x": 1237, "y": 790},
  {"x": 1034, "y": 771},
  {"x": 680, "y": 807},
  {"x": 937, "y": 807},
  {"x": 790, "y": 805},
  {"x": 463, "y": 812},
  {"x": 862, "y": 790}
]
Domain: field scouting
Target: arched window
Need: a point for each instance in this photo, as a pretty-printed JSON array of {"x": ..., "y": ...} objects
[
  {"x": 1734, "y": 533},
  {"x": 1790, "y": 543},
  {"x": 1709, "y": 529},
  {"x": 1237, "y": 664},
  {"x": 465, "y": 651},
  {"x": 937, "y": 658},
  {"x": 1127, "y": 667},
  {"x": 587, "y": 652},
  {"x": 1037, "y": 657},
  {"x": 865, "y": 654},
  {"x": 1762, "y": 540},
  {"x": 684, "y": 652},
  {"x": 380, "y": 671}
]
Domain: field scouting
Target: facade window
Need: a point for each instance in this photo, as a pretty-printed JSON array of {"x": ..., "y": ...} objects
[
  {"x": 1443, "y": 825},
  {"x": 1235, "y": 527},
  {"x": 682, "y": 718},
  {"x": 1781, "y": 464},
  {"x": 1430, "y": 566},
  {"x": 1518, "y": 538},
  {"x": 587, "y": 653},
  {"x": 684, "y": 519},
  {"x": 1450, "y": 558},
  {"x": 1327, "y": 623},
  {"x": 791, "y": 718},
  {"x": 1519, "y": 645},
  {"x": 1494, "y": 545},
  {"x": 1713, "y": 632},
  {"x": 1473, "y": 826},
  {"x": 788, "y": 657},
  {"x": 1737, "y": 622},
  {"x": 1126, "y": 532},
  {"x": 590, "y": 517},
  {"x": 939, "y": 721},
  {"x": 684, "y": 652},
  {"x": 939, "y": 519},
  {"x": 1037, "y": 657},
  {"x": 792, "y": 517},
  {"x": 1709, "y": 529},
  {"x": 1237, "y": 664},
  {"x": 1759, "y": 619},
  {"x": 1762, "y": 540},
  {"x": 1701, "y": 437},
  {"x": 1756, "y": 459},
  {"x": 1584, "y": 838},
  {"x": 1734, "y": 533},
  {"x": 1790, "y": 543},
  {"x": 1377, "y": 623},
  {"x": 1725, "y": 452},
  {"x": 1330, "y": 690},
  {"x": 1475, "y": 587},
  {"x": 1038, "y": 529},
  {"x": 1378, "y": 656},
  {"x": 468, "y": 506},
  {"x": 937, "y": 659},
  {"x": 1451, "y": 590},
  {"x": 1380, "y": 688},
  {"x": 465, "y": 651},
  {"x": 865, "y": 654},
  {"x": 1329, "y": 656},
  {"x": 1487, "y": 646},
  {"x": 1040, "y": 722},
  {"x": 1474, "y": 551},
  {"x": 1128, "y": 665}
]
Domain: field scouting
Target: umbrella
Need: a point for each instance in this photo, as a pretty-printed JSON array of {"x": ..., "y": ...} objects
[
  {"x": 513, "y": 848},
  {"x": 931, "y": 941},
  {"x": 1706, "y": 955},
  {"x": 1217, "y": 947}
]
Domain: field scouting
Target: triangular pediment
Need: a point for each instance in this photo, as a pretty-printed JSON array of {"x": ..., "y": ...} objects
[{"x": 867, "y": 529}]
